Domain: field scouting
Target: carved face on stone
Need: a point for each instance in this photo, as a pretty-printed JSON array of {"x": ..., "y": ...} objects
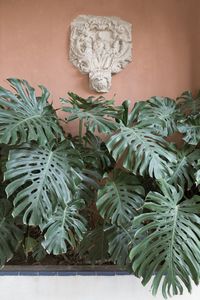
[
  {"x": 100, "y": 81},
  {"x": 100, "y": 47}
]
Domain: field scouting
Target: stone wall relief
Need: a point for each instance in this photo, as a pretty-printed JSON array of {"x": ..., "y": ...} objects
[{"x": 100, "y": 47}]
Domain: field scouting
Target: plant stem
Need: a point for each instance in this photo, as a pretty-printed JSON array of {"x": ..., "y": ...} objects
[
  {"x": 127, "y": 233},
  {"x": 80, "y": 129}
]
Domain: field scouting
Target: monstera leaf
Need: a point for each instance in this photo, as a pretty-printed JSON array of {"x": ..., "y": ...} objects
[
  {"x": 121, "y": 198},
  {"x": 161, "y": 115},
  {"x": 190, "y": 127},
  {"x": 120, "y": 242},
  {"x": 65, "y": 228},
  {"x": 141, "y": 151},
  {"x": 184, "y": 167},
  {"x": 96, "y": 154},
  {"x": 39, "y": 253},
  {"x": 189, "y": 104},
  {"x": 130, "y": 118},
  {"x": 25, "y": 117},
  {"x": 94, "y": 245},
  {"x": 10, "y": 234},
  {"x": 198, "y": 173},
  {"x": 170, "y": 253},
  {"x": 37, "y": 175},
  {"x": 97, "y": 114},
  {"x": 89, "y": 185}
]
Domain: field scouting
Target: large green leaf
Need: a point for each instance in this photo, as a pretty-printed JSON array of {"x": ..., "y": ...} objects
[
  {"x": 29, "y": 245},
  {"x": 88, "y": 186},
  {"x": 161, "y": 115},
  {"x": 190, "y": 127},
  {"x": 141, "y": 151},
  {"x": 188, "y": 103},
  {"x": 96, "y": 154},
  {"x": 130, "y": 118},
  {"x": 32, "y": 247},
  {"x": 36, "y": 174},
  {"x": 65, "y": 227},
  {"x": 25, "y": 117},
  {"x": 39, "y": 253},
  {"x": 120, "y": 242},
  {"x": 97, "y": 114},
  {"x": 121, "y": 198},
  {"x": 94, "y": 246},
  {"x": 184, "y": 167},
  {"x": 197, "y": 175},
  {"x": 170, "y": 252},
  {"x": 10, "y": 234}
]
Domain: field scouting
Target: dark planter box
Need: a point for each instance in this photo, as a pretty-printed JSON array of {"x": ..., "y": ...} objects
[{"x": 36, "y": 270}]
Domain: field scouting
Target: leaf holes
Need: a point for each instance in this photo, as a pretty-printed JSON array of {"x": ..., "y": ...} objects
[
  {"x": 35, "y": 171},
  {"x": 33, "y": 191},
  {"x": 32, "y": 164}
]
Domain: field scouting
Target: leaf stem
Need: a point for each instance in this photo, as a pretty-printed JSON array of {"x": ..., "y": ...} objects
[
  {"x": 80, "y": 129},
  {"x": 131, "y": 239}
]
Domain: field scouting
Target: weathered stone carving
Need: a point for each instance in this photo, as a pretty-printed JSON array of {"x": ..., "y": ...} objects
[{"x": 100, "y": 46}]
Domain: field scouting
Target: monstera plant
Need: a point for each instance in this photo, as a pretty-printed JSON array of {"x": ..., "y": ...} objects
[{"x": 125, "y": 190}]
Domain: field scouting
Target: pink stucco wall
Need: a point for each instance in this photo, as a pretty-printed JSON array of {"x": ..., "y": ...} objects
[{"x": 34, "y": 44}]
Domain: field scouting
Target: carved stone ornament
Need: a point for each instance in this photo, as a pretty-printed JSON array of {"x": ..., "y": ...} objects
[{"x": 100, "y": 47}]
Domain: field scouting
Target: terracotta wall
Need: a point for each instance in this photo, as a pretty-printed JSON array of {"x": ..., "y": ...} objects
[{"x": 34, "y": 44}]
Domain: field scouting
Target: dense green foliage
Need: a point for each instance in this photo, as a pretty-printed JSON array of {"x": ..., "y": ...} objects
[{"x": 130, "y": 198}]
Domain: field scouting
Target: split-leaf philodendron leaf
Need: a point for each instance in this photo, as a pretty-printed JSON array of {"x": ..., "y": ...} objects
[
  {"x": 141, "y": 151},
  {"x": 25, "y": 117},
  {"x": 170, "y": 252},
  {"x": 37, "y": 175}
]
